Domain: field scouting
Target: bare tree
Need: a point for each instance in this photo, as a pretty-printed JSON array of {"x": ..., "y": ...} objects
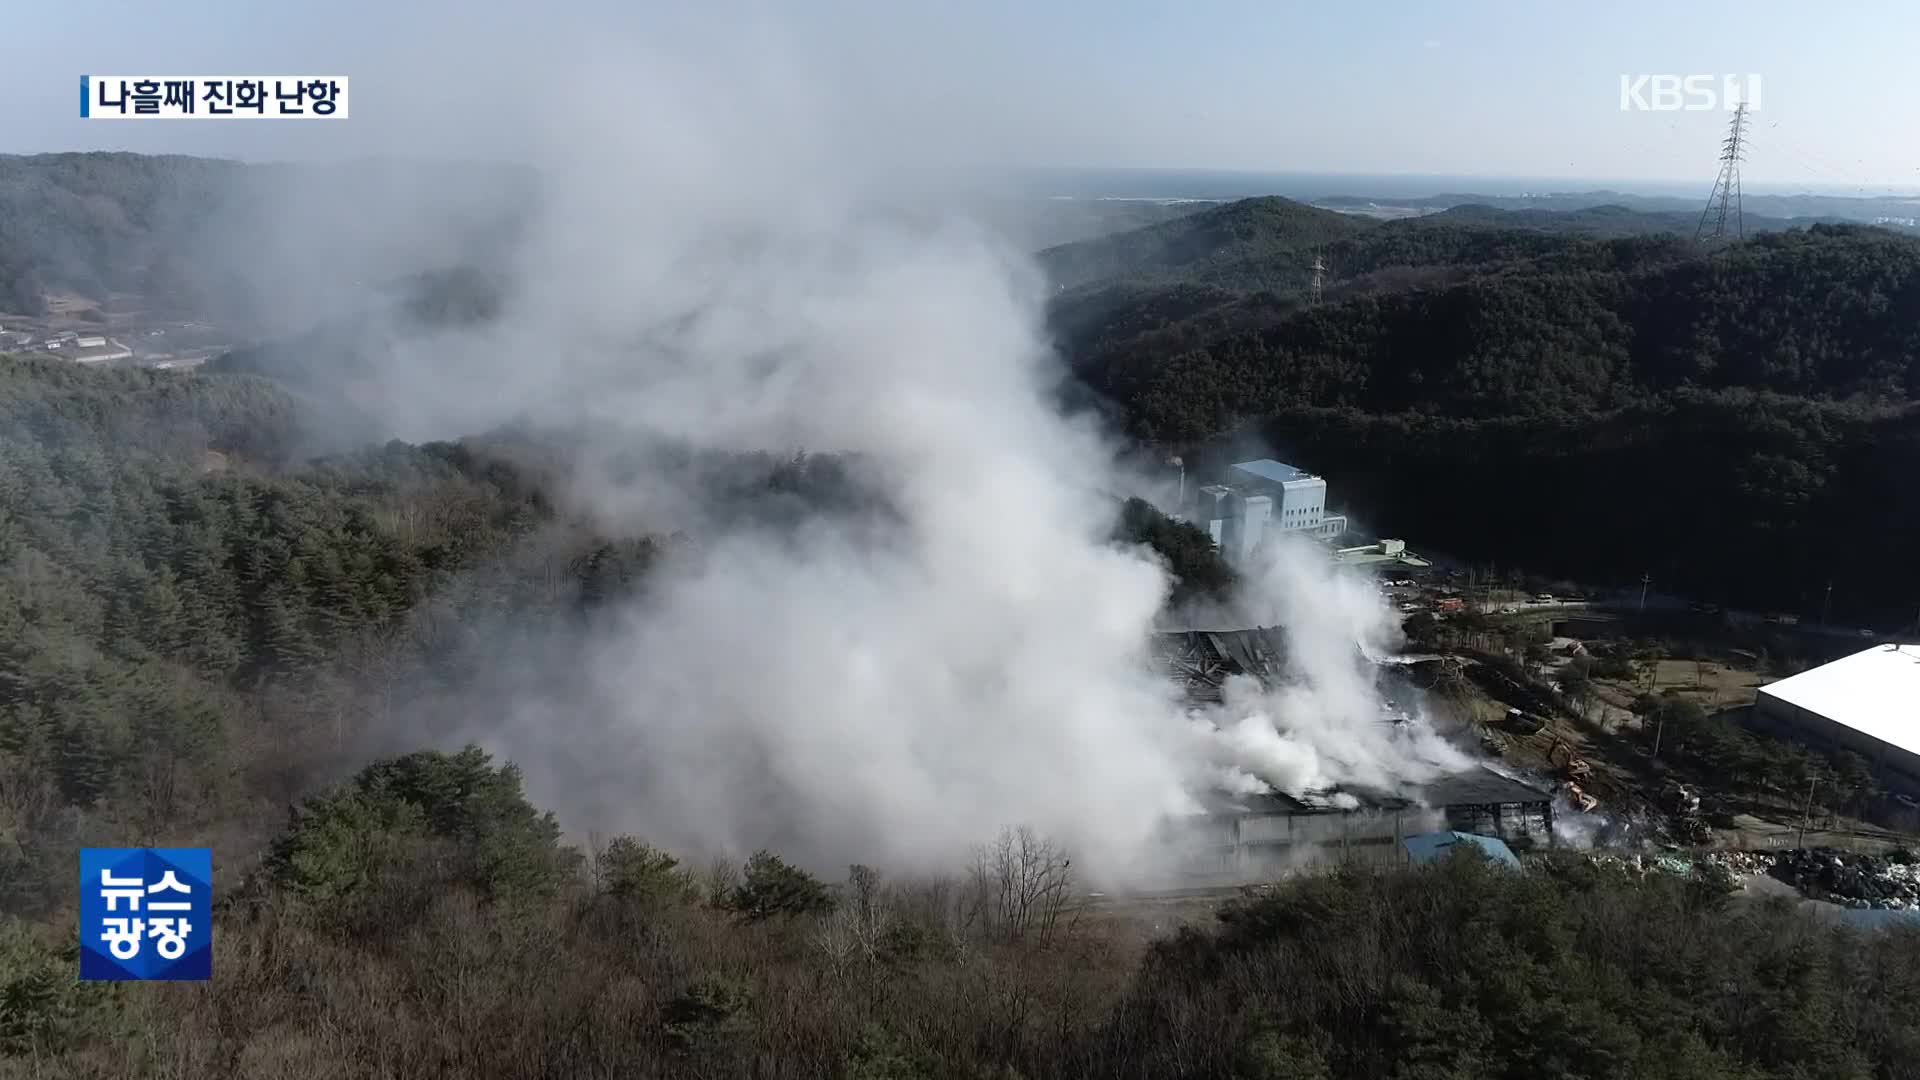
[
  {"x": 1021, "y": 887},
  {"x": 717, "y": 884},
  {"x": 853, "y": 932}
]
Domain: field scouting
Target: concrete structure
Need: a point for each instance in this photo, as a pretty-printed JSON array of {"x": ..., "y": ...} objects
[
  {"x": 1245, "y": 529},
  {"x": 1386, "y": 551},
  {"x": 1260, "y": 499},
  {"x": 1868, "y": 703},
  {"x": 1299, "y": 497},
  {"x": 1213, "y": 505}
]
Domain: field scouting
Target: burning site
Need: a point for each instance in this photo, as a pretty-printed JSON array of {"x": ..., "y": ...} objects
[{"x": 682, "y": 541}]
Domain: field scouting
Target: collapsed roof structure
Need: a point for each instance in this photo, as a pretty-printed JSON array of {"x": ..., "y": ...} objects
[
  {"x": 1253, "y": 828},
  {"x": 1202, "y": 661}
]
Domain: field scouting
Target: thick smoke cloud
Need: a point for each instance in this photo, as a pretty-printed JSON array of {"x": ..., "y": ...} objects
[
  {"x": 737, "y": 264},
  {"x": 1323, "y": 729}
]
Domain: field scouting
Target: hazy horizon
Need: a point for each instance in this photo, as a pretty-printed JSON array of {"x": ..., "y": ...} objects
[
  {"x": 1202, "y": 184},
  {"x": 1492, "y": 90}
]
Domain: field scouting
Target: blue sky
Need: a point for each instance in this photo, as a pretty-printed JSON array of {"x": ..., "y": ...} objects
[{"x": 1471, "y": 88}]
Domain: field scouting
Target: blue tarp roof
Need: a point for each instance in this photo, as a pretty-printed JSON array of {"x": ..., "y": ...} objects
[
  {"x": 1428, "y": 847},
  {"x": 1876, "y": 918}
]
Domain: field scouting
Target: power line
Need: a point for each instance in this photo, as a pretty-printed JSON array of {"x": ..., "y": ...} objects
[{"x": 1726, "y": 187}]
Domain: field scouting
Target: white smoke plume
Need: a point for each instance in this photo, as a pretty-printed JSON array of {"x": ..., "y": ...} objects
[
  {"x": 1324, "y": 728},
  {"x": 711, "y": 266}
]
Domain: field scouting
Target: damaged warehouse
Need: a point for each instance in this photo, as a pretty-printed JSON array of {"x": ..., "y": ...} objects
[{"x": 1255, "y": 832}]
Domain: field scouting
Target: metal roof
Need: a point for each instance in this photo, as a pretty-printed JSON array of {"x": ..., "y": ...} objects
[
  {"x": 1875, "y": 692},
  {"x": 1430, "y": 847},
  {"x": 1278, "y": 472},
  {"x": 1480, "y": 786}
]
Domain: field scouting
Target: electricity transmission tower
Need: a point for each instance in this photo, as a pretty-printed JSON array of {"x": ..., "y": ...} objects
[
  {"x": 1319, "y": 280},
  {"x": 1726, "y": 188}
]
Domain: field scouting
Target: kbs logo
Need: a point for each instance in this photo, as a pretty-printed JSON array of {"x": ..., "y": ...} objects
[{"x": 1688, "y": 93}]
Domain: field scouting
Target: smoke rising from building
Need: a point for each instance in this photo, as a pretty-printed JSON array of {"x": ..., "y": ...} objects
[{"x": 717, "y": 272}]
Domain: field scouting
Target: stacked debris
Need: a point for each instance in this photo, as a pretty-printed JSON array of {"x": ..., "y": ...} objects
[
  {"x": 1727, "y": 867},
  {"x": 1743, "y": 864},
  {"x": 1852, "y": 880}
]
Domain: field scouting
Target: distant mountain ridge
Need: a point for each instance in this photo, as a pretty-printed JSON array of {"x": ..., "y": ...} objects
[
  {"x": 1487, "y": 380},
  {"x": 1235, "y": 233},
  {"x": 1780, "y": 210},
  {"x": 1270, "y": 242}
]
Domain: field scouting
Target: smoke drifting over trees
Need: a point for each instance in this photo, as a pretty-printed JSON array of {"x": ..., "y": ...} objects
[{"x": 720, "y": 272}]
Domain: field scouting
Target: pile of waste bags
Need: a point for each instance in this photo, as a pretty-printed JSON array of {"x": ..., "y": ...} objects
[{"x": 1853, "y": 879}]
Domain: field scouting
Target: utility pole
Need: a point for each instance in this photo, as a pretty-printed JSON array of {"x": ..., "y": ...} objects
[
  {"x": 1811, "y": 780},
  {"x": 1726, "y": 187},
  {"x": 1645, "y": 580}
]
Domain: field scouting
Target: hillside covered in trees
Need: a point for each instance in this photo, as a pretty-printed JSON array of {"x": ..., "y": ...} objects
[
  {"x": 1733, "y": 422},
  {"x": 194, "y": 626},
  {"x": 208, "y": 637}
]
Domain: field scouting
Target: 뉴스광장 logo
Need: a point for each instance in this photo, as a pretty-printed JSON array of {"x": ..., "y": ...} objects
[{"x": 146, "y": 913}]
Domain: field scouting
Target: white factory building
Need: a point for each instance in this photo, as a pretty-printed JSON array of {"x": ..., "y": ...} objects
[
  {"x": 1868, "y": 703},
  {"x": 1256, "y": 499}
]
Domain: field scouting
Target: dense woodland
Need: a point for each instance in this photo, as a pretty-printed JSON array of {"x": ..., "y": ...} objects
[
  {"x": 1735, "y": 423},
  {"x": 96, "y": 224},
  {"x": 205, "y": 636},
  {"x": 201, "y": 635}
]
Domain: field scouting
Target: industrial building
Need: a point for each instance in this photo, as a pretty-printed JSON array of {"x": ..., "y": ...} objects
[
  {"x": 1258, "y": 833},
  {"x": 1257, "y": 499},
  {"x": 1255, "y": 833},
  {"x": 1868, "y": 703}
]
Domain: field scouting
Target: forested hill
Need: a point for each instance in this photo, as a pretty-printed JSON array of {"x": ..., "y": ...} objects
[
  {"x": 1561, "y": 326},
  {"x": 274, "y": 244},
  {"x": 1199, "y": 244},
  {"x": 98, "y": 223},
  {"x": 177, "y": 585},
  {"x": 197, "y": 635},
  {"x": 1594, "y": 407},
  {"x": 1270, "y": 244}
]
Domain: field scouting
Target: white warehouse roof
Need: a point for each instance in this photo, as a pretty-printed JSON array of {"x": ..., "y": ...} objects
[{"x": 1875, "y": 692}]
